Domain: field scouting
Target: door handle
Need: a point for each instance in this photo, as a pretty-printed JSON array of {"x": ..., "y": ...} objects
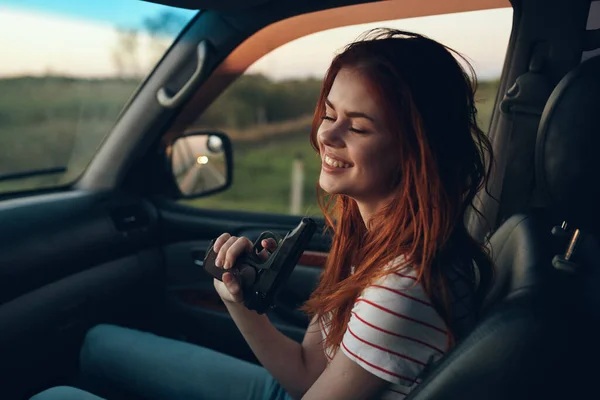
[
  {"x": 167, "y": 101},
  {"x": 198, "y": 255}
]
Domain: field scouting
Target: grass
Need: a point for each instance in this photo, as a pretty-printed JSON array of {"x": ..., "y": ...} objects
[
  {"x": 52, "y": 121},
  {"x": 262, "y": 178},
  {"x": 263, "y": 158}
]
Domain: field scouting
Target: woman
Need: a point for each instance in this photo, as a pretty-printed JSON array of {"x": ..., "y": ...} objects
[{"x": 402, "y": 160}]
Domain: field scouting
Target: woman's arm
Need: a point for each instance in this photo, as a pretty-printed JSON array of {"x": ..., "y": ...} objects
[
  {"x": 345, "y": 379},
  {"x": 392, "y": 335},
  {"x": 300, "y": 367},
  {"x": 296, "y": 366}
]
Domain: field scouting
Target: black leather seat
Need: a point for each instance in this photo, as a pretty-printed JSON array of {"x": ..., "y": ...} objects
[{"x": 537, "y": 339}]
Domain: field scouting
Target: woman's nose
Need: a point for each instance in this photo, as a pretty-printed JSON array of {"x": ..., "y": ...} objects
[{"x": 331, "y": 136}]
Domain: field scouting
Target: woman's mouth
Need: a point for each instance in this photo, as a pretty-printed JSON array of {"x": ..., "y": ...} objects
[{"x": 332, "y": 162}]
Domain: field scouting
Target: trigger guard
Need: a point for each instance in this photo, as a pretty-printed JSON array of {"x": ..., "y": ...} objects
[{"x": 258, "y": 247}]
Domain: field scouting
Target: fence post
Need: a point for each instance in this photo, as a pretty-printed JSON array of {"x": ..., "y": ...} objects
[{"x": 297, "y": 185}]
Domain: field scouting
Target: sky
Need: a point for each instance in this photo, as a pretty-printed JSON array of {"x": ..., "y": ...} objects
[
  {"x": 80, "y": 39},
  {"x": 482, "y": 36},
  {"x": 110, "y": 12}
]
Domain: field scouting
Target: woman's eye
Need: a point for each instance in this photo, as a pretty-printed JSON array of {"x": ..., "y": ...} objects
[
  {"x": 332, "y": 119},
  {"x": 355, "y": 130}
]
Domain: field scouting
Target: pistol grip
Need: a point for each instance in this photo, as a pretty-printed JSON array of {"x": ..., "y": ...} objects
[
  {"x": 209, "y": 263},
  {"x": 245, "y": 273}
]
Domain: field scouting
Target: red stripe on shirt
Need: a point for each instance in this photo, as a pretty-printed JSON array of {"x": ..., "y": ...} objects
[
  {"x": 377, "y": 367},
  {"x": 402, "y": 316},
  {"x": 405, "y": 276},
  {"x": 403, "y": 294},
  {"x": 397, "y": 334},
  {"x": 384, "y": 349}
]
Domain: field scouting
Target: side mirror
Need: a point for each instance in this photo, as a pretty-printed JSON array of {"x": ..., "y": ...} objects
[{"x": 201, "y": 163}]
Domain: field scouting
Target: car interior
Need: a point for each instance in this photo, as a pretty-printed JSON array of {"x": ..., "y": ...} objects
[{"x": 120, "y": 244}]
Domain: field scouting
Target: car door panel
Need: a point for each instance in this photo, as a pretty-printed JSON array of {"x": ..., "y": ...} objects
[
  {"x": 69, "y": 261},
  {"x": 198, "y": 312},
  {"x": 42, "y": 330},
  {"x": 46, "y": 238}
]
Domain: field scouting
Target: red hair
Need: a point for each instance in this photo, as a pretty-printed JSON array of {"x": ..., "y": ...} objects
[{"x": 428, "y": 101}]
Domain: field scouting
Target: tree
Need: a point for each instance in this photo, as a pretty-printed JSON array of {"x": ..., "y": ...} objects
[
  {"x": 159, "y": 30},
  {"x": 162, "y": 29},
  {"x": 125, "y": 53}
]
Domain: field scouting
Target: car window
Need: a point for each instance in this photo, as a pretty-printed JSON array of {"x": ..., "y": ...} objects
[
  {"x": 67, "y": 70},
  {"x": 268, "y": 111},
  {"x": 593, "y": 23}
]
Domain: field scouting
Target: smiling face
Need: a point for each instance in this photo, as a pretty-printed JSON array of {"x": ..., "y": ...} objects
[{"x": 357, "y": 152}]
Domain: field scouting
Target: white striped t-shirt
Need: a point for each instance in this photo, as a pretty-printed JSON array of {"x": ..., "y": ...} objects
[{"x": 394, "y": 332}]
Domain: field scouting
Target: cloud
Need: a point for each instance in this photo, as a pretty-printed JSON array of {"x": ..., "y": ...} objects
[{"x": 37, "y": 44}]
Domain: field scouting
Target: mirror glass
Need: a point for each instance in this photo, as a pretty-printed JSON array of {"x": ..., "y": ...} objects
[{"x": 199, "y": 163}]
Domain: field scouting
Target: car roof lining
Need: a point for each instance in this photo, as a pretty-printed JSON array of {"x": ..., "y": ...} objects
[{"x": 281, "y": 32}]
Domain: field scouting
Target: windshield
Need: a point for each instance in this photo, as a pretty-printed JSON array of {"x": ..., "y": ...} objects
[{"x": 67, "y": 70}]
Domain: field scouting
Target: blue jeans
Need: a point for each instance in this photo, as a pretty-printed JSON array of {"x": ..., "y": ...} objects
[{"x": 119, "y": 362}]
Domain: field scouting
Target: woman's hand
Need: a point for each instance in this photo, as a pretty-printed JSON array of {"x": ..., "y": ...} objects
[{"x": 228, "y": 249}]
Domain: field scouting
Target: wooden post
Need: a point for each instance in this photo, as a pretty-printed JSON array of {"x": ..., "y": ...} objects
[{"x": 297, "y": 185}]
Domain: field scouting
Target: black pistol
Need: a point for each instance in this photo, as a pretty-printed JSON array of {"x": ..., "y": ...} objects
[{"x": 261, "y": 279}]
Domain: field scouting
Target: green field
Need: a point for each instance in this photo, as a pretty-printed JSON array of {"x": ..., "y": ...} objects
[
  {"x": 262, "y": 179},
  {"x": 53, "y": 121},
  {"x": 263, "y": 164}
]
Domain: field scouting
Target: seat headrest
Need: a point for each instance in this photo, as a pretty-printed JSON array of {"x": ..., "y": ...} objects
[{"x": 568, "y": 147}]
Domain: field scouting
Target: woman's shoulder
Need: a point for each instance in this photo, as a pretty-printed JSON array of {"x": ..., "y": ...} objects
[
  {"x": 399, "y": 274},
  {"x": 398, "y": 291},
  {"x": 394, "y": 331}
]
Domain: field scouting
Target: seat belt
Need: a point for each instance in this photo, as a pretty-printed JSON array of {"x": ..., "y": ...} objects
[{"x": 523, "y": 105}]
